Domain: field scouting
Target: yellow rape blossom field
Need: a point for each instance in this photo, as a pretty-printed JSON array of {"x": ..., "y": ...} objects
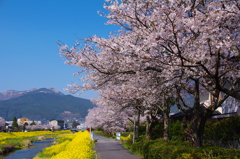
[
  {"x": 70, "y": 146},
  {"x": 66, "y": 145},
  {"x": 16, "y": 140},
  {"x": 12, "y": 135}
]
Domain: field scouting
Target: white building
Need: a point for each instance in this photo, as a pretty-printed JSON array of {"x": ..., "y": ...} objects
[{"x": 82, "y": 126}]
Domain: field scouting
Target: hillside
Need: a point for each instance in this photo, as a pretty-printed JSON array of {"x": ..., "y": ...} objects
[{"x": 44, "y": 103}]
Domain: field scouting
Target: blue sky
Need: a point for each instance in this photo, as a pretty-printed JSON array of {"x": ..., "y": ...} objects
[{"x": 29, "y": 30}]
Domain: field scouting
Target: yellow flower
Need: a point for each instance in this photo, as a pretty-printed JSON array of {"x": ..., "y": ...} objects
[{"x": 79, "y": 148}]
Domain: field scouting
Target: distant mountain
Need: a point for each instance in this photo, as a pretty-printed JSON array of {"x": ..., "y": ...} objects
[
  {"x": 42, "y": 104},
  {"x": 14, "y": 94},
  {"x": 10, "y": 94}
]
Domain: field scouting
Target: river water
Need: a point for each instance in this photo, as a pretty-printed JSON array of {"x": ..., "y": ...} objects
[{"x": 28, "y": 153}]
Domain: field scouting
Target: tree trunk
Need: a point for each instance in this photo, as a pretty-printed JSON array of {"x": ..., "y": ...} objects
[
  {"x": 136, "y": 126},
  {"x": 166, "y": 124},
  {"x": 194, "y": 129},
  {"x": 195, "y": 138},
  {"x": 166, "y": 111},
  {"x": 148, "y": 128},
  {"x": 200, "y": 132}
]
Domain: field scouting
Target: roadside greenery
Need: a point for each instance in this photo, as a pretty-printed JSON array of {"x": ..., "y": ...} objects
[
  {"x": 158, "y": 149},
  {"x": 221, "y": 140},
  {"x": 224, "y": 133},
  {"x": 111, "y": 135}
]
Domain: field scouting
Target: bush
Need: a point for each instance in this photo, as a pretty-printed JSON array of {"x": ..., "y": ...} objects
[
  {"x": 158, "y": 149},
  {"x": 176, "y": 132},
  {"x": 229, "y": 136},
  {"x": 27, "y": 142},
  {"x": 127, "y": 141},
  {"x": 157, "y": 131},
  {"x": 41, "y": 138},
  {"x": 224, "y": 133}
]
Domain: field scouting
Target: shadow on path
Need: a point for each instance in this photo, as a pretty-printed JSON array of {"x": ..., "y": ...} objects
[{"x": 111, "y": 149}]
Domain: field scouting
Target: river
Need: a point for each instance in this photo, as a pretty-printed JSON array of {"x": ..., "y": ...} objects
[{"x": 28, "y": 153}]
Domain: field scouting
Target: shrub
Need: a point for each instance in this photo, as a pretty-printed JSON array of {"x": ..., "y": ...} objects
[
  {"x": 128, "y": 142},
  {"x": 158, "y": 149},
  {"x": 229, "y": 136},
  {"x": 41, "y": 138},
  {"x": 27, "y": 142},
  {"x": 176, "y": 132}
]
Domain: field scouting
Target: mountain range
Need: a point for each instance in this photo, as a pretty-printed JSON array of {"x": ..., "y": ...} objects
[{"x": 42, "y": 104}]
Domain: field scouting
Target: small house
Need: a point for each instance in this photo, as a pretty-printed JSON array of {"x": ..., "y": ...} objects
[{"x": 57, "y": 123}]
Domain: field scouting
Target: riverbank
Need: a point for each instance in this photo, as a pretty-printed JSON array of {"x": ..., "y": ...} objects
[
  {"x": 29, "y": 152},
  {"x": 12, "y": 141}
]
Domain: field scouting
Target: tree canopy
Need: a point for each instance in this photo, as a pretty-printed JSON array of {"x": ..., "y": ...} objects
[{"x": 164, "y": 50}]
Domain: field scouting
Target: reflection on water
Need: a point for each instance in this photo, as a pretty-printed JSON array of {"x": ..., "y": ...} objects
[{"x": 30, "y": 152}]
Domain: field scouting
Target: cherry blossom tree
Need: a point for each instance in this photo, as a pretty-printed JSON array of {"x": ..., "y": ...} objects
[
  {"x": 41, "y": 127},
  {"x": 137, "y": 96},
  {"x": 195, "y": 43},
  {"x": 2, "y": 123},
  {"x": 182, "y": 47},
  {"x": 108, "y": 116}
]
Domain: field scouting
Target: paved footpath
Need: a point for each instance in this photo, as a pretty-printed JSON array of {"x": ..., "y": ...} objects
[{"x": 111, "y": 149}]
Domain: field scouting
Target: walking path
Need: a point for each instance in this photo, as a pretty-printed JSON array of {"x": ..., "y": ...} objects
[{"x": 111, "y": 149}]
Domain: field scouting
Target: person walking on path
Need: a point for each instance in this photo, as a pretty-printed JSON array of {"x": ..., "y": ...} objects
[{"x": 111, "y": 149}]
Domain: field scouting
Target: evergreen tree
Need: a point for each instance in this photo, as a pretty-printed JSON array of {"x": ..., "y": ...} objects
[
  {"x": 74, "y": 124},
  {"x": 33, "y": 123},
  {"x": 15, "y": 124}
]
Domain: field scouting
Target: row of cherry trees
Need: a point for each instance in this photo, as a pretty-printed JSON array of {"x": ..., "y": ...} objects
[
  {"x": 165, "y": 53},
  {"x": 42, "y": 127},
  {"x": 108, "y": 115}
]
